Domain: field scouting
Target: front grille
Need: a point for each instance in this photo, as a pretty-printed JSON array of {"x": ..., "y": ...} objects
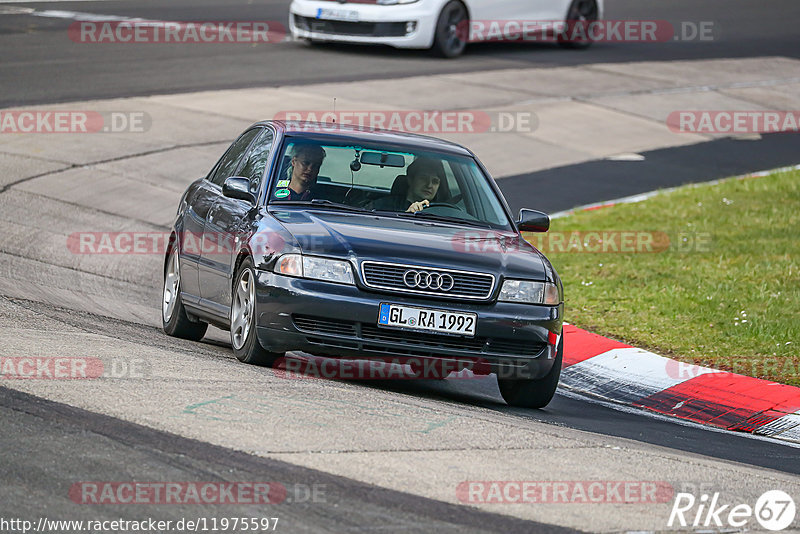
[
  {"x": 390, "y": 276},
  {"x": 360, "y": 29},
  {"x": 325, "y": 326},
  {"x": 418, "y": 339},
  {"x": 371, "y": 338},
  {"x": 511, "y": 346}
]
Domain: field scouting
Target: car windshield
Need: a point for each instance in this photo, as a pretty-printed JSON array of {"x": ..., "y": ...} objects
[{"x": 400, "y": 183}]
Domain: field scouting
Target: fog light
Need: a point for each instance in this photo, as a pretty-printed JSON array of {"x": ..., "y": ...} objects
[{"x": 411, "y": 27}]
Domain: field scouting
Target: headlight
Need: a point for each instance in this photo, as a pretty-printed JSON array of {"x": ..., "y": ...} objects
[
  {"x": 395, "y": 2},
  {"x": 529, "y": 292},
  {"x": 315, "y": 268}
]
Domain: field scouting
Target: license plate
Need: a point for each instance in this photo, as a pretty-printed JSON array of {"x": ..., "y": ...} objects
[
  {"x": 337, "y": 14},
  {"x": 427, "y": 319}
]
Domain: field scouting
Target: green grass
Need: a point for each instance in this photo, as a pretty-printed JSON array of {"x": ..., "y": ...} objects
[{"x": 731, "y": 303}]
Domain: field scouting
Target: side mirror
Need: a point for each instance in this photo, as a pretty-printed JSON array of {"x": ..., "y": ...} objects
[
  {"x": 239, "y": 188},
  {"x": 533, "y": 221}
]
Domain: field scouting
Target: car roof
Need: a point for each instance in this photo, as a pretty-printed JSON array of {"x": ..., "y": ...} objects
[{"x": 351, "y": 133}]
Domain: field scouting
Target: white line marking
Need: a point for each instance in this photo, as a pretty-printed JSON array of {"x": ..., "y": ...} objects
[
  {"x": 78, "y": 15},
  {"x": 644, "y": 196},
  {"x": 626, "y": 157},
  {"x": 786, "y": 427},
  {"x": 16, "y": 10}
]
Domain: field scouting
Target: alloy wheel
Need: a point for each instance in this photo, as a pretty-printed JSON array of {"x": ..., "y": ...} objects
[{"x": 242, "y": 309}]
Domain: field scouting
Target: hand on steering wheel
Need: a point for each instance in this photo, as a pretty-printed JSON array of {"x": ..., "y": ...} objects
[{"x": 418, "y": 206}]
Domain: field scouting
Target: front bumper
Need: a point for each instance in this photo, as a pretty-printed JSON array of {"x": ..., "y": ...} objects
[
  {"x": 376, "y": 24},
  {"x": 336, "y": 320}
]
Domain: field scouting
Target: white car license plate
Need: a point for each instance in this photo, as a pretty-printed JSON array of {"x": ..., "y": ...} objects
[
  {"x": 337, "y": 14},
  {"x": 442, "y": 321}
]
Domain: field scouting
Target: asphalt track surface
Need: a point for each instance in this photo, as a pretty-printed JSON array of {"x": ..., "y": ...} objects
[
  {"x": 39, "y": 67},
  {"x": 117, "y": 450},
  {"x": 563, "y": 188}
]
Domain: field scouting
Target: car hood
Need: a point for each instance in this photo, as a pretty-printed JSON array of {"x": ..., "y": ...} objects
[{"x": 360, "y": 237}]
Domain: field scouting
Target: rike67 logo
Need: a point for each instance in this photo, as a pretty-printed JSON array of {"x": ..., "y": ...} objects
[{"x": 774, "y": 510}]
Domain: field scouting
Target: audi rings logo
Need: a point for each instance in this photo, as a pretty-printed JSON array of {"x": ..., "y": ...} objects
[{"x": 425, "y": 280}]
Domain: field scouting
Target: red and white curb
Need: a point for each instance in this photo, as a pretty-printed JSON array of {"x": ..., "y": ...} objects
[{"x": 611, "y": 370}]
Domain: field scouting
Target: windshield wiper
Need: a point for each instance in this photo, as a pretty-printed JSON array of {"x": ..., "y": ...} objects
[
  {"x": 445, "y": 218},
  {"x": 338, "y": 205},
  {"x": 319, "y": 202}
]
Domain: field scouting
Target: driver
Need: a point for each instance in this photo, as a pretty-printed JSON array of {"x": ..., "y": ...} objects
[
  {"x": 302, "y": 173},
  {"x": 426, "y": 184}
]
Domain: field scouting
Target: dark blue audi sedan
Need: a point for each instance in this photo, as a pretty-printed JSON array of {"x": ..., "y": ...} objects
[{"x": 362, "y": 244}]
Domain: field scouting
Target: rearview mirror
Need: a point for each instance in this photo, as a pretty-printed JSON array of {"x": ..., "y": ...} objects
[
  {"x": 239, "y": 188},
  {"x": 533, "y": 221},
  {"x": 382, "y": 159}
]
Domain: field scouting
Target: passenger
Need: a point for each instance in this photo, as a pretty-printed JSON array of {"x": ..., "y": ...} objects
[
  {"x": 425, "y": 183},
  {"x": 302, "y": 173}
]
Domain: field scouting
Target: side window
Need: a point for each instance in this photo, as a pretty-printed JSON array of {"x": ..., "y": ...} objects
[
  {"x": 257, "y": 159},
  {"x": 230, "y": 161}
]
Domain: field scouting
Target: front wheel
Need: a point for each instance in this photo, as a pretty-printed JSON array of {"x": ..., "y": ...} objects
[
  {"x": 581, "y": 14},
  {"x": 452, "y": 30},
  {"x": 534, "y": 393},
  {"x": 174, "y": 319},
  {"x": 244, "y": 340}
]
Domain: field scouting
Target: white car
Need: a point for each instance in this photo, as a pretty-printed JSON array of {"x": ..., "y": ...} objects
[{"x": 437, "y": 24}]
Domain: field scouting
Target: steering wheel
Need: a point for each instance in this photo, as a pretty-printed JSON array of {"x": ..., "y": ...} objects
[
  {"x": 462, "y": 213},
  {"x": 444, "y": 205}
]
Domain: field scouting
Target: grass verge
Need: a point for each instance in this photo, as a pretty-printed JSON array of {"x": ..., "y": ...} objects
[{"x": 719, "y": 286}]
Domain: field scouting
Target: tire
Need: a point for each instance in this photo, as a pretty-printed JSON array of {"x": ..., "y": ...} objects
[
  {"x": 452, "y": 30},
  {"x": 533, "y": 393},
  {"x": 174, "y": 319},
  {"x": 580, "y": 11},
  {"x": 244, "y": 339}
]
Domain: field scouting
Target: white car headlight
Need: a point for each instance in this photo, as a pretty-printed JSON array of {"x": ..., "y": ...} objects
[
  {"x": 529, "y": 292},
  {"x": 316, "y": 268}
]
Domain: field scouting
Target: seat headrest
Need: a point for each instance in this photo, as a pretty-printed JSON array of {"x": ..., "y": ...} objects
[{"x": 400, "y": 185}]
